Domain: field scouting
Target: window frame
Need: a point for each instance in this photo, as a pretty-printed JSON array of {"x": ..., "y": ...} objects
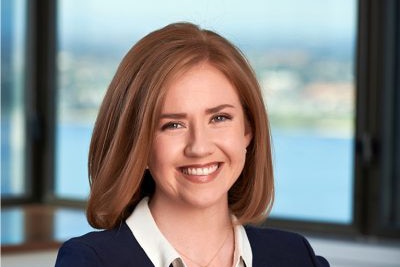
[
  {"x": 377, "y": 149},
  {"x": 377, "y": 121}
]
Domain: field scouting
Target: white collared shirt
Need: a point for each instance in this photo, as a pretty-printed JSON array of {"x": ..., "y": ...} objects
[{"x": 162, "y": 253}]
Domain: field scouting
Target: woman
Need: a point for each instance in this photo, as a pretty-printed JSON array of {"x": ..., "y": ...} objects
[{"x": 180, "y": 161}]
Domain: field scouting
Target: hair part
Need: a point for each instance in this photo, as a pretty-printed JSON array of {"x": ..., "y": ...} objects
[{"x": 125, "y": 126}]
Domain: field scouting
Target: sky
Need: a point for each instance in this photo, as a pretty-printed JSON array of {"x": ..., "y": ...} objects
[{"x": 122, "y": 21}]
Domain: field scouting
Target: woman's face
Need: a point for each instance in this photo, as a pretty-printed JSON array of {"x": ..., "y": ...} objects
[{"x": 199, "y": 148}]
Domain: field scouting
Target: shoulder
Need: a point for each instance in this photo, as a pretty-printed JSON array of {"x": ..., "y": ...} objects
[
  {"x": 116, "y": 247},
  {"x": 75, "y": 252},
  {"x": 272, "y": 246},
  {"x": 272, "y": 236}
]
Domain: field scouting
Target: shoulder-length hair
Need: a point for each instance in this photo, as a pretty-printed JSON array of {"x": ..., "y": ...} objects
[{"x": 124, "y": 129}]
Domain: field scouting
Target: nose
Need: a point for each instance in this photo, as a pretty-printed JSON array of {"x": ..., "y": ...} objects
[{"x": 199, "y": 143}]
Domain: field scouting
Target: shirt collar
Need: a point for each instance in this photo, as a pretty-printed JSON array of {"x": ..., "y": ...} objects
[
  {"x": 161, "y": 252},
  {"x": 150, "y": 238},
  {"x": 242, "y": 246}
]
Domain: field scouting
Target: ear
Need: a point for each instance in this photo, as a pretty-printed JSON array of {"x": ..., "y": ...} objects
[{"x": 248, "y": 133}]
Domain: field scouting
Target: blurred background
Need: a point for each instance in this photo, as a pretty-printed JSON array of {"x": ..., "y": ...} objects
[{"x": 330, "y": 75}]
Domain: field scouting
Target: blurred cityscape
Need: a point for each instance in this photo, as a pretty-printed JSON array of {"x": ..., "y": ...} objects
[{"x": 304, "y": 88}]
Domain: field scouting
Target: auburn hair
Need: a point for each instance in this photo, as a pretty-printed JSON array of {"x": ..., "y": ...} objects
[{"x": 124, "y": 129}]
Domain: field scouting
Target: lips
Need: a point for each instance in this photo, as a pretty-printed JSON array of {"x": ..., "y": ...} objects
[
  {"x": 201, "y": 174},
  {"x": 200, "y": 171}
]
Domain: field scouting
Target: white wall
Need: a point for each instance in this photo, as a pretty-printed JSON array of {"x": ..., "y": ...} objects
[
  {"x": 34, "y": 259},
  {"x": 357, "y": 254}
]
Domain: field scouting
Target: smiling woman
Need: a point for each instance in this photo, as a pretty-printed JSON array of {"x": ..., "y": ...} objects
[
  {"x": 153, "y": 78},
  {"x": 180, "y": 162},
  {"x": 208, "y": 141}
]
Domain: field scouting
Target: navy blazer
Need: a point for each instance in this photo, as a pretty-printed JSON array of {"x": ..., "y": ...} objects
[{"x": 118, "y": 248}]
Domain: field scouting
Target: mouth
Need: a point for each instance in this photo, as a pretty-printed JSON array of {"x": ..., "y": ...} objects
[{"x": 200, "y": 170}]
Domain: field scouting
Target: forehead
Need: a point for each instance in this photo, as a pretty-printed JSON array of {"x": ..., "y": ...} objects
[{"x": 201, "y": 85}]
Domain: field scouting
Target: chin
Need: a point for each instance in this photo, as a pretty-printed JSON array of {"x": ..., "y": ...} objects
[{"x": 206, "y": 201}]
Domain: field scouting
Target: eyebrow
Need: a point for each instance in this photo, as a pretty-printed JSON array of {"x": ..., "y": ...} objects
[
  {"x": 218, "y": 108},
  {"x": 183, "y": 115}
]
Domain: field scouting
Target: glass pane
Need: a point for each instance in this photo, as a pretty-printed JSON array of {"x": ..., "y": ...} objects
[
  {"x": 13, "y": 33},
  {"x": 12, "y": 226},
  {"x": 307, "y": 73},
  {"x": 303, "y": 57},
  {"x": 70, "y": 222}
]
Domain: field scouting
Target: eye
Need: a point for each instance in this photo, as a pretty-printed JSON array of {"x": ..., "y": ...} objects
[
  {"x": 172, "y": 126},
  {"x": 221, "y": 118}
]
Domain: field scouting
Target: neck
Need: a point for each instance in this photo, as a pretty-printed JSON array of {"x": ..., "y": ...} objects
[
  {"x": 179, "y": 217},
  {"x": 203, "y": 236}
]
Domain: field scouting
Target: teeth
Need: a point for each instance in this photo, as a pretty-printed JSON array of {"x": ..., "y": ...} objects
[{"x": 200, "y": 171}]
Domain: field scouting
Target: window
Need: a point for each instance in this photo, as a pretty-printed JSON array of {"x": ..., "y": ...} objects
[
  {"x": 303, "y": 58},
  {"x": 13, "y": 75},
  {"x": 329, "y": 72}
]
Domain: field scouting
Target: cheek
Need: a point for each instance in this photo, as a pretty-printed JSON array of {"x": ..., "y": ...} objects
[
  {"x": 164, "y": 150},
  {"x": 236, "y": 134},
  {"x": 234, "y": 145}
]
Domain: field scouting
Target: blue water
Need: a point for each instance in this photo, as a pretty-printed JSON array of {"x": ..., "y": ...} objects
[
  {"x": 313, "y": 173},
  {"x": 72, "y": 149},
  {"x": 314, "y": 177}
]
